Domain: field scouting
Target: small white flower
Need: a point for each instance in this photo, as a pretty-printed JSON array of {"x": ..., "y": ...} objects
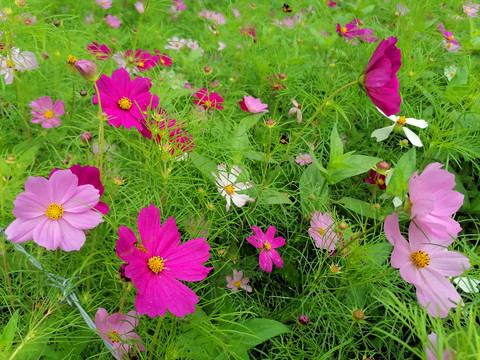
[
  {"x": 450, "y": 72},
  {"x": 297, "y": 110},
  {"x": 398, "y": 124},
  {"x": 228, "y": 188}
]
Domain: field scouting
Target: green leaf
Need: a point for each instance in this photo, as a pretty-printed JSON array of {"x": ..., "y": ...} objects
[
  {"x": 275, "y": 197},
  {"x": 350, "y": 166},
  {"x": 204, "y": 164},
  {"x": 313, "y": 189},
  {"x": 8, "y": 333},
  {"x": 460, "y": 78},
  {"x": 398, "y": 184},
  {"x": 256, "y": 331},
  {"x": 336, "y": 146},
  {"x": 360, "y": 207},
  {"x": 239, "y": 141}
]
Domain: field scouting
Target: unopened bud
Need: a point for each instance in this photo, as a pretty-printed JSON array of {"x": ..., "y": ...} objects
[
  {"x": 343, "y": 225},
  {"x": 358, "y": 315},
  {"x": 85, "y": 137},
  {"x": 20, "y": 3},
  {"x": 303, "y": 319},
  {"x": 45, "y": 56},
  {"x": 207, "y": 69},
  {"x": 10, "y": 159},
  {"x": 57, "y": 23},
  {"x": 269, "y": 123},
  {"x": 377, "y": 206},
  {"x": 282, "y": 76},
  {"x": 87, "y": 69},
  {"x": 118, "y": 180},
  {"x": 83, "y": 93},
  {"x": 210, "y": 207},
  {"x": 383, "y": 165}
]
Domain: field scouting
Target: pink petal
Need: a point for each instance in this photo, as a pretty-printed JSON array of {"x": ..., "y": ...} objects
[
  {"x": 59, "y": 108},
  {"x": 265, "y": 261},
  {"x": 124, "y": 246},
  {"x": 84, "y": 198},
  {"x": 21, "y": 230},
  {"x": 28, "y": 206},
  {"x": 100, "y": 322},
  {"x": 63, "y": 184},
  {"x": 83, "y": 221},
  {"x": 48, "y": 234},
  {"x": 38, "y": 187},
  {"x": 185, "y": 262},
  {"x": 449, "y": 263},
  {"x": 149, "y": 225},
  {"x": 275, "y": 256},
  {"x": 169, "y": 239},
  {"x": 253, "y": 240}
]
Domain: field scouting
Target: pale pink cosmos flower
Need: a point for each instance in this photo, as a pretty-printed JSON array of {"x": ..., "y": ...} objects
[
  {"x": 157, "y": 261},
  {"x": 432, "y": 347},
  {"x": 433, "y": 202},
  {"x": 217, "y": 18},
  {"x": 175, "y": 43},
  {"x": 471, "y": 10},
  {"x": 351, "y": 31},
  {"x": 303, "y": 159},
  {"x": 296, "y": 110},
  {"x": 18, "y": 60},
  {"x": 55, "y": 212},
  {"x": 322, "y": 231},
  {"x": 451, "y": 46},
  {"x": 192, "y": 44},
  {"x": 228, "y": 186},
  {"x": 117, "y": 330},
  {"x": 179, "y": 5},
  {"x": 425, "y": 263},
  {"x": 221, "y": 46},
  {"x": 268, "y": 243},
  {"x": 140, "y": 7},
  {"x": 238, "y": 281},
  {"x": 235, "y": 12},
  {"x": 46, "y": 112},
  {"x": 28, "y": 19},
  {"x": 106, "y": 4},
  {"x": 112, "y": 21},
  {"x": 252, "y": 105}
]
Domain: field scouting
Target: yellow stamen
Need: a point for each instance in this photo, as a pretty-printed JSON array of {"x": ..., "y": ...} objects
[
  {"x": 322, "y": 231},
  {"x": 450, "y": 38},
  {"x": 420, "y": 259},
  {"x": 49, "y": 114},
  {"x": 27, "y": 22},
  {"x": 452, "y": 75},
  {"x": 71, "y": 60},
  {"x": 114, "y": 336},
  {"x": 156, "y": 264},
  {"x": 267, "y": 246},
  {"x": 448, "y": 46},
  {"x": 141, "y": 64},
  {"x": 140, "y": 247},
  {"x": 237, "y": 284},
  {"x": 10, "y": 64},
  {"x": 124, "y": 103},
  {"x": 343, "y": 30},
  {"x": 380, "y": 181},
  {"x": 208, "y": 103},
  {"x": 162, "y": 61},
  {"x": 229, "y": 189},
  {"x": 401, "y": 120},
  {"x": 54, "y": 211}
]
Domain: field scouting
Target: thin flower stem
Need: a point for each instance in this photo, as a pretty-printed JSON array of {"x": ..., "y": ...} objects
[
  {"x": 101, "y": 135},
  {"x": 155, "y": 337}
]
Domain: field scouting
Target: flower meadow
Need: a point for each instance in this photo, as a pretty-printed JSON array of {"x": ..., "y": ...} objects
[{"x": 235, "y": 180}]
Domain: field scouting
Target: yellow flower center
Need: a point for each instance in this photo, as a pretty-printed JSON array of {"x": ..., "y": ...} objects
[
  {"x": 71, "y": 60},
  {"x": 140, "y": 247},
  {"x": 420, "y": 259},
  {"x": 450, "y": 38},
  {"x": 401, "y": 120},
  {"x": 156, "y": 264},
  {"x": 114, "y": 336},
  {"x": 208, "y": 103},
  {"x": 467, "y": 10},
  {"x": 343, "y": 30},
  {"x": 229, "y": 189},
  {"x": 452, "y": 75},
  {"x": 141, "y": 64},
  {"x": 162, "y": 61},
  {"x": 322, "y": 231},
  {"x": 54, "y": 211},
  {"x": 10, "y": 64},
  {"x": 237, "y": 284},
  {"x": 449, "y": 46},
  {"x": 380, "y": 181},
  {"x": 267, "y": 246},
  {"x": 27, "y": 22},
  {"x": 124, "y": 103},
  {"x": 48, "y": 114}
]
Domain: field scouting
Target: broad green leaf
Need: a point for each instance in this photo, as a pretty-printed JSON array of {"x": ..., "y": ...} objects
[
  {"x": 313, "y": 189},
  {"x": 351, "y": 166},
  {"x": 275, "y": 197},
  {"x": 336, "y": 146},
  {"x": 204, "y": 164},
  {"x": 360, "y": 207},
  {"x": 256, "y": 331},
  {"x": 398, "y": 184},
  {"x": 239, "y": 141},
  {"x": 8, "y": 333}
]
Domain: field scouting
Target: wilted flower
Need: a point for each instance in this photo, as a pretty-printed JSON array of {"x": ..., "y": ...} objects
[{"x": 296, "y": 110}]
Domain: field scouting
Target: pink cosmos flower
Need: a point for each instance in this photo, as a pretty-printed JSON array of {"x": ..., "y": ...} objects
[
  {"x": 470, "y": 10},
  {"x": 88, "y": 175},
  {"x": 164, "y": 60},
  {"x": 157, "y": 263},
  {"x": 431, "y": 349},
  {"x": 449, "y": 42},
  {"x": 142, "y": 61},
  {"x": 221, "y": 46},
  {"x": 116, "y": 328},
  {"x": 140, "y": 7},
  {"x": 235, "y": 12},
  {"x": 322, "y": 231},
  {"x": 380, "y": 77},
  {"x": 433, "y": 202},
  {"x": 303, "y": 159},
  {"x": 207, "y": 100},
  {"x": 101, "y": 52},
  {"x": 291, "y": 21},
  {"x": 28, "y": 19},
  {"x": 228, "y": 187},
  {"x": 175, "y": 43},
  {"x": 46, "y": 112},
  {"x": 106, "y": 4},
  {"x": 179, "y": 5},
  {"x": 125, "y": 100},
  {"x": 252, "y": 105},
  {"x": 425, "y": 263},
  {"x": 217, "y": 18},
  {"x": 112, "y": 21},
  {"x": 249, "y": 30},
  {"x": 351, "y": 31},
  {"x": 18, "y": 60},
  {"x": 268, "y": 243},
  {"x": 54, "y": 212},
  {"x": 238, "y": 281}
]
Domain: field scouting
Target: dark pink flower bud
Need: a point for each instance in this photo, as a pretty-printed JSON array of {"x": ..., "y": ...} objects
[
  {"x": 303, "y": 319},
  {"x": 85, "y": 137},
  {"x": 87, "y": 69}
]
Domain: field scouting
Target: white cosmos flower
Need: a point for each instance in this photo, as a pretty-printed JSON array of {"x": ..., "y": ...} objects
[
  {"x": 398, "y": 124},
  {"x": 296, "y": 110},
  {"x": 228, "y": 188},
  {"x": 450, "y": 72}
]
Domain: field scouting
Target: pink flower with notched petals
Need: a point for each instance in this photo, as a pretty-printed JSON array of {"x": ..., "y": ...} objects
[
  {"x": 424, "y": 262},
  {"x": 471, "y": 10},
  {"x": 140, "y": 7},
  {"x": 179, "y": 5},
  {"x": 106, "y": 4},
  {"x": 158, "y": 262},
  {"x": 303, "y": 159},
  {"x": 117, "y": 330},
  {"x": 112, "y": 21},
  {"x": 238, "y": 281},
  {"x": 449, "y": 42},
  {"x": 18, "y": 60},
  {"x": 268, "y": 243},
  {"x": 380, "y": 77},
  {"x": 101, "y": 52},
  {"x": 207, "y": 100},
  {"x": 46, "y": 112},
  {"x": 351, "y": 31},
  {"x": 175, "y": 43},
  {"x": 322, "y": 231},
  {"x": 433, "y": 202},
  {"x": 124, "y": 100},
  {"x": 28, "y": 19},
  {"x": 54, "y": 212},
  {"x": 164, "y": 60},
  {"x": 252, "y": 105}
]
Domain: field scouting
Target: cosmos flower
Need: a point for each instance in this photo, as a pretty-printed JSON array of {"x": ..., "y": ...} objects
[
  {"x": 376, "y": 178},
  {"x": 303, "y": 159},
  {"x": 106, "y": 4},
  {"x": 54, "y": 212},
  {"x": 380, "y": 77},
  {"x": 351, "y": 31},
  {"x": 238, "y": 281},
  {"x": 157, "y": 262},
  {"x": 322, "y": 231},
  {"x": 140, "y": 7},
  {"x": 142, "y": 61},
  {"x": 101, "y": 52},
  {"x": 117, "y": 330},
  {"x": 213, "y": 16},
  {"x": 228, "y": 187},
  {"x": 164, "y": 60},
  {"x": 179, "y": 5},
  {"x": 175, "y": 43},
  {"x": 449, "y": 42},
  {"x": 112, "y": 21},
  {"x": 471, "y": 10},
  {"x": 46, "y": 112},
  {"x": 450, "y": 72},
  {"x": 18, "y": 60},
  {"x": 207, "y": 100},
  {"x": 296, "y": 110},
  {"x": 399, "y": 124},
  {"x": 432, "y": 347},
  {"x": 28, "y": 19},
  {"x": 125, "y": 100},
  {"x": 268, "y": 243},
  {"x": 252, "y": 105}
]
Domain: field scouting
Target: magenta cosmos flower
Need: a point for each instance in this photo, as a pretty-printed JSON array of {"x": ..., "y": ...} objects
[
  {"x": 125, "y": 100},
  {"x": 164, "y": 59},
  {"x": 54, "y": 212},
  {"x": 46, "y": 112},
  {"x": 268, "y": 243},
  {"x": 207, "y": 100},
  {"x": 101, "y": 52},
  {"x": 88, "y": 175},
  {"x": 322, "y": 231},
  {"x": 252, "y": 105},
  {"x": 117, "y": 330},
  {"x": 238, "y": 281},
  {"x": 433, "y": 202},
  {"x": 112, "y": 21},
  {"x": 425, "y": 263},
  {"x": 351, "y": 31},
  {"x": 380, "y": 77},
  {"x": 157, "y": 263}
]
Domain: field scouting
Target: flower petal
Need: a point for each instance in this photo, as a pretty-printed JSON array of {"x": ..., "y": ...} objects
[
  {"x": 412, "y": 137},
  {"x": 149, "y": 225},
  {"x": 383, "y": 133},
  {"x": 185, "y": 262}
]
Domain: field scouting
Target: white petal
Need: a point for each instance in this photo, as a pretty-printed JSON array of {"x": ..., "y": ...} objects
[
  {"x": 382, "y": 134},
  {"x": 294, "y": 103},
  {"x": 391, "y": 117},
  {"x": 422, "y": 124},
  {"x": 397, "y": 202},
  {"x": 412, "y": 137}
]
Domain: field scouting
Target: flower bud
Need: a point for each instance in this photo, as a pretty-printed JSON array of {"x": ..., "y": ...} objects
[
  {"x": 118, "y": 180},
  {"x": 303, "y": 319},
  {"x": 87, "y": 69},
  {"x": 85, "y": 137},
  {"x": 269, "y": 123},
  {"x": 383, "y": 165},
  {"x": 45, "y": 56},
  {"x": 83, "y": 93},
  {"x": 57, "y": 23},
  {"x": 20, "y": 3},
  {"x": 121, "y": 273},
  {"x": 358, "y": 315},
  {"x": 10, "y": 159},
  {"x": 343, "y": 226},
  {"x": 207, "y": 69},
  {"x": 282, "y": 76}
]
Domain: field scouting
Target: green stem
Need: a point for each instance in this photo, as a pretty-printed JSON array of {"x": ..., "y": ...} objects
[
  {"x": 101, "y": 135},
  {"x": 155, "y": 337}
]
